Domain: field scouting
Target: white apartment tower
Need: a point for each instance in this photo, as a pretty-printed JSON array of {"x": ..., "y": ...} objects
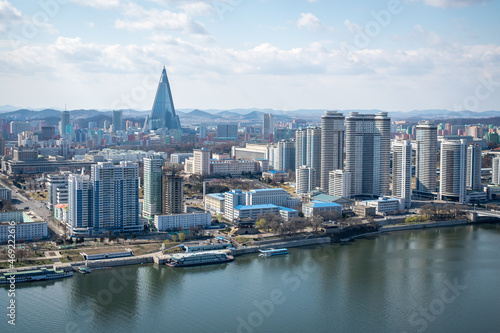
[
  {"x": 152, "y": 186},
  {"x": 306, "y": 179},
  {"x": 332, "y": 145},
  {"x": 495, "y": 179},
  {"x": 453, "y": 178},
  {"x": 340, "y": 184},
  {"x": 201, "y": 164},
  {"x": 80, "y": 204},
  {"x": 401, "y": 171},
  {"x": 426, "y": 158},
  {"x": 308, "y": 150},
  {"x": 368, "y": 153}
]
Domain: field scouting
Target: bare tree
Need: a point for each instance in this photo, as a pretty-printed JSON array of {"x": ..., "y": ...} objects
[{"x": 315, "y": 222}]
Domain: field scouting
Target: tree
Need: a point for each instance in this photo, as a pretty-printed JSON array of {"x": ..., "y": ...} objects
[
  {"x": 316, "y": 222},
  {"x": 182, "y": 237},
  {"x": 262, "y": 223},
  {"x": 174, "y": 238},
  {"x": 330, "y": 215},
  {"x": 133, "y": 236}
]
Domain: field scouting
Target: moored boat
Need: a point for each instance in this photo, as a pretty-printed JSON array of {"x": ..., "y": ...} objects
[
  {"x": 33, "y": 275},
  {"x": 198, "y": 258},
  {"x": 272, "y": 252}
]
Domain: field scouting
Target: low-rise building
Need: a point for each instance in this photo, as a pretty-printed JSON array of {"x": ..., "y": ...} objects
[
  {"x": 276, "y": 175},
  {"x": 385, "y": 205},
  {"x": 214, "y": 203},
  {"x": 317, "y": 207},
  {"x": 61, "y": 212},
  {"x": 182, "y": 221},
  {"x": 28, "y": 226},
  {"x": 288, "y": 213},
  {"x": 364, "y": 211},
  {"x": 252, "y": 211}
]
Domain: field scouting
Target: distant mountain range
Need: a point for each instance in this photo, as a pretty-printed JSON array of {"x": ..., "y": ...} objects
[{"x": 10, "y": 113}]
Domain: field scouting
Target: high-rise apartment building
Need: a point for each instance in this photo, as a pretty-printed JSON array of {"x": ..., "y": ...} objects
[
  {"x": 453, "y": 176},
  {"x": 383, "y": 129},
  {"x": 117, "y": 120},
  {"x": 173, "y": 191},
  {"x": 267, "y": 125},
  {"x": 306, "y": 179},
  {"x": 401, "y": 171},
  {"x": 201, "y": 164},
  {"x": 153, "y": 191},
  {"x": 340, "y": 183},
  {"x": 367, "y": 136},
  {"x": 474, "y": 167},
  {"x": 495, "y": 179},
  {"x": 426, "y": 158},
  {"x": 284, "y": 157},
  {"x": 332, "y": 145},
  {"x": 80, "y": 205},
  {"x": 115, "y": 196},
  {"x": 65, "y": 121},
  {"x": 301, "y": 147}
]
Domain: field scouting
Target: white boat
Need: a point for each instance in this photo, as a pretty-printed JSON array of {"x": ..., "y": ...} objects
[
  {"x": 273, "y": 252},
  {"x": 198, "y": 258}
]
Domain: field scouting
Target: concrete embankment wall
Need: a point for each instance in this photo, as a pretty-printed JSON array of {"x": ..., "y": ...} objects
[
  {"x": 280, "y": 243},
  {"x": 423, "y": 225},
  {"x": 119, "y": 262}
]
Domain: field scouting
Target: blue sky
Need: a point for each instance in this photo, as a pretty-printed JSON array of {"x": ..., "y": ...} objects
[{"x": 282, "y": 54}]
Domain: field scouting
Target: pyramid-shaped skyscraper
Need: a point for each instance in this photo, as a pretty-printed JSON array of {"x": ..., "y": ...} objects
[{"x": 163, "y": 112}]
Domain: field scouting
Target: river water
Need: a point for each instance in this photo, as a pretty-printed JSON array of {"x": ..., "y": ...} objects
[{"x": 438, "y": 280}]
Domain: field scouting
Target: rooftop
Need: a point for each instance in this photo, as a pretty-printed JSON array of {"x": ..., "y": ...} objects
[
  {"x": 321, "y": 204},
  {"x": 247, "y": 207},
  {"x": 286, "y": 209},
  {"x": 219, "y": 196}
]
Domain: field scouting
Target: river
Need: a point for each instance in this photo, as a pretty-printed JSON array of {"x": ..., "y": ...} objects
[{"x": 437, "y": 280}]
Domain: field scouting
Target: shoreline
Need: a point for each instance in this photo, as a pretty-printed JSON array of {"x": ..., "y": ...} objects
[{"x": 158, "y": 258}]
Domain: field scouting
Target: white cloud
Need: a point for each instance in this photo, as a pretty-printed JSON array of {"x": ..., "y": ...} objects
[
  {"x": 317, "y": 70},
  {"x": 197, "y": 9},
  {"x": 353, "y": 27},
  {"x": 100, "y": 4},
  {"x": 453, "y": 3},
  {"x": 154, "y": 19},
  {"x": 311, "y": 22},
  {"x": 9, "y": 15},
  {"x": 23, "y": 27}
]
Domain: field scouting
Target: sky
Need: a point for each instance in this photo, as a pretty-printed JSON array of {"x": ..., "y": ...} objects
[{"x": 223, "y": 54}]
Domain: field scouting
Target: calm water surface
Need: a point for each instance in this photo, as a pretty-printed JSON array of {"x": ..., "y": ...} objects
[{"x": 440, "y": 280}]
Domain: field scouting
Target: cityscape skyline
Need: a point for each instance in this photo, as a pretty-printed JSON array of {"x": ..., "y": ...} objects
[{"x": 315, "y": 54}]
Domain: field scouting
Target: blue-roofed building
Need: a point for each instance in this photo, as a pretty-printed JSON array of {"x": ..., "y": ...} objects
[
  {"x": 214, "y": 203},
  {"x": 316, "y": 207},
  {"x": 253, "y": 211},
  {"x": 288, "y": 213},
  {"x": 276, "y": 175}
]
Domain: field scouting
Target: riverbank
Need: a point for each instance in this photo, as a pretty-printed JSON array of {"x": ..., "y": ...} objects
[{"x": 336, "y": 236}]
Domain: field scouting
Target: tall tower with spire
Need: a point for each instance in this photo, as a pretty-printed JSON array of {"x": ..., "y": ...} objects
[{"x": 163, "y": 112}]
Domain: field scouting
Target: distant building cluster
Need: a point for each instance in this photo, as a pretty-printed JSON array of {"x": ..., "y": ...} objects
[{"x": 363, "y": 163}]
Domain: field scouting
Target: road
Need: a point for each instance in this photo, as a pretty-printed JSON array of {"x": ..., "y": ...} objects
[{"x": 19, "y": 202}]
